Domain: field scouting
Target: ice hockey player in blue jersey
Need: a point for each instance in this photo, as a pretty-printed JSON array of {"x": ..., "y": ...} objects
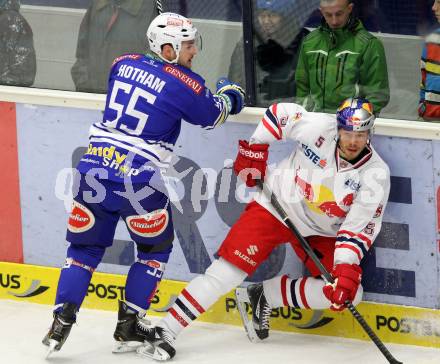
[{"x": 121, "y": 173}]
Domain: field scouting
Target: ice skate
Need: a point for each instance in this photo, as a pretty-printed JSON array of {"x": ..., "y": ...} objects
[
  {"x": 161, "y": 346},
  {"x": 61, "y": 326},
  {"x": 258, "y": 328},
  {"x": 131, "y": 330}
]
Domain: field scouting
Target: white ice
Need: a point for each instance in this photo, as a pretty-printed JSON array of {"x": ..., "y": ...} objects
[{"x": 23, "y": 325}]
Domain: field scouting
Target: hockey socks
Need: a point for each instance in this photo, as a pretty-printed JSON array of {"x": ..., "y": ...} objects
[
  {"x": 304, "y": 292},
  {"x": 204, "y": 290},
  {"x": 143, "y": 278},
  {"x": 76, "y": 274}
]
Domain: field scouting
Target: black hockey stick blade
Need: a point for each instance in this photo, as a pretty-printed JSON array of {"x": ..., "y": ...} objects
[{"x": 328, "y": 277}]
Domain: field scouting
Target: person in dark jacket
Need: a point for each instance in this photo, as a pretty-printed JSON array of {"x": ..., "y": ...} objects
[
  {"x": 109, "y": 28},
  {"x": 278, "y": 35},
  {"x": 17, "y": 54}
]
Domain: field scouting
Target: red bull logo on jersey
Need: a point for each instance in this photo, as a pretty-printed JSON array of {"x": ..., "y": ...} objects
[
  {"x": 149, "y": 225},
  {"x": 81, "y": 218},
  {"x": 321, "y": 199},
  {"x": 314, "y": 157},
  {"x": 182, "y": 76}
]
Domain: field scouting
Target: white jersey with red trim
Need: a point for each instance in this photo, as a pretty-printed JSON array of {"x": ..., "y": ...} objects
[{"x": 322, "y": 193}]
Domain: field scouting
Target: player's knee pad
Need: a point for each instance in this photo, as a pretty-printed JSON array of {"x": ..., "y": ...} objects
[
  {"x": 154, "y": 263},
  {"x": 224, "y": 276},
  {"x": 88, "y": 255}
]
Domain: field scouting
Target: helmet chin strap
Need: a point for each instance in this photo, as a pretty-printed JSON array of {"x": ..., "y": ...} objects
[{"x": 173, "y": 61}]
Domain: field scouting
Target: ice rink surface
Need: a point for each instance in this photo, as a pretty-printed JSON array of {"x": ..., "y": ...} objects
[{"x": 23, "y": 325}]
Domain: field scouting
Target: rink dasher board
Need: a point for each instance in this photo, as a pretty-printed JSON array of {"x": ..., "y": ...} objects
[{"x": 392, "y": 323}]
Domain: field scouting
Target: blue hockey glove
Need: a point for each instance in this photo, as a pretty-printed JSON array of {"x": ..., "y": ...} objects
[{"x": 235, "y": 93}]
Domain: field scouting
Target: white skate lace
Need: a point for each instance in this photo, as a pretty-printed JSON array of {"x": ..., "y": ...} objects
[
  {"x": 264, "y": 324},
  {"x": 144, "y": 324},
  {"x": 166, "y": 336}
]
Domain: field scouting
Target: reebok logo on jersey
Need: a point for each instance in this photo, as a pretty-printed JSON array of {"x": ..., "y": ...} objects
[
  {"x": 149, "y": 225},
  {"x": 81, "y": 218},
  {"x": 258, "y": 156},
  {"x": 315, "y": 158},
  {"x": 182, "y": 76}
]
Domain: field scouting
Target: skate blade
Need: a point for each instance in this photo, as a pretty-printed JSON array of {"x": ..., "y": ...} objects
[
  {"x": 242, "y": 298},
  {"x": 126, "y": 346},
  {"x": 52, "y": 345},
  {"x": 153, "y": 352}
]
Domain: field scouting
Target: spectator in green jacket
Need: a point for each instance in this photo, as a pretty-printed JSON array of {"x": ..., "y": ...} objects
[
  {"x": 340, "y": 59},
  {"x": 109, "y": 29}
]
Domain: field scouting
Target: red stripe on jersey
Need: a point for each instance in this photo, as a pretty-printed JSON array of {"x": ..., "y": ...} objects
[
  {"x": 284, "y": 290},
  {"x": 192, "y": 300},
  {"x": 302, "y": 292},
  {"x": 274, "y": 107},
  {"x": 270, "y": 129},
  {"x": 179, "y": 318},
  {"x": 275, "y": 110},
  {"x": 350, "y": 247},
  {"x": 365, "y": 239},
  {"x": 358, "y": 236}
]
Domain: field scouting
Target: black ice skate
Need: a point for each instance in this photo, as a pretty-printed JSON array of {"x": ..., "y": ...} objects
[
  {"x": 260, "y": 310},
  {"x": 61, "y": 326},
  {"x": 131, "y": 330},
  {"x": 161, "y": 345},
  {"x": 257, "y": 329}
]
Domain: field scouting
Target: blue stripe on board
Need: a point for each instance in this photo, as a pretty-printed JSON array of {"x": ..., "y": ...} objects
[{"x": 401, "y": 191}]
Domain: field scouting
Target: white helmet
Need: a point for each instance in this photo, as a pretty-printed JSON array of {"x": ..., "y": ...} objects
[{"x": 170, "y": 28}]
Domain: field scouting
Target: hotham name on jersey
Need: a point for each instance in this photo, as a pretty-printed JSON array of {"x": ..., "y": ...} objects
[{"x": 142, "y": 77}]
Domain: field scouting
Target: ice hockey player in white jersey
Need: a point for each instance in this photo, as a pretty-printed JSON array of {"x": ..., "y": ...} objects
[{"x": 334, "y": 188}]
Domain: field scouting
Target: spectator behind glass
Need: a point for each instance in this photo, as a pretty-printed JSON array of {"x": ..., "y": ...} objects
[
  {"x": 109, "y": 28},
  {"x": 429, "y": 106},
  {"x": 17, "y": 54},
  {"x": 277, "y": 39},
  {"x": 340, "y": 59}
]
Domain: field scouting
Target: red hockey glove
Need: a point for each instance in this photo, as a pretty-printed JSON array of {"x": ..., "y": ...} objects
[
  {"x": 347, "y": 279},
  {"x": 252, "y": 160}
]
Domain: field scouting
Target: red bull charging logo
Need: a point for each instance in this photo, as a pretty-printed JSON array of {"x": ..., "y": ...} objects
[{"x": 320, "y": 199}]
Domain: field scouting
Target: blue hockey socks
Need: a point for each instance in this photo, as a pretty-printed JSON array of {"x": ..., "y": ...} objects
[
  {"x": 143, "y": 278},
  {"x": 76, "y": 273}
]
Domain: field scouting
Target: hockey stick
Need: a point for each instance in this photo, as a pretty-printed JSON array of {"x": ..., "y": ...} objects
[
  {"x": 327, "y": 276},
  {"x": 159, "y": 6}
]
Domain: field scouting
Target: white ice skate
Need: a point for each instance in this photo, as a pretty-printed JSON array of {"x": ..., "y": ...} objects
[
  {"x": 161, "y": 348},
  {"x": 243, "y": 302}
]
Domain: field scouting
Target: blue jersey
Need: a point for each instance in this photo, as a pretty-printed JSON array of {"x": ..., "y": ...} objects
[{"x": 147, "y": 101}]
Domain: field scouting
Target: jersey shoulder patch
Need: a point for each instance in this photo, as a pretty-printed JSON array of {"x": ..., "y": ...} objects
[
  {"x": 127, "y": 56},
  {"x": 185, "y": 78}
]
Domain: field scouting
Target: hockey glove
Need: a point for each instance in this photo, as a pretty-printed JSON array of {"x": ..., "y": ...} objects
[
  {"x": 347, "y": 279},
  {"x": 234, "y": 92},
  {"x": 251, "y": 162}
]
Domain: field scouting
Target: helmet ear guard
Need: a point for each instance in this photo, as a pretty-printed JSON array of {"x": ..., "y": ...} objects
[
  {"x": 355, "y": 114},
  {"x": 170, "y": 28}
]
